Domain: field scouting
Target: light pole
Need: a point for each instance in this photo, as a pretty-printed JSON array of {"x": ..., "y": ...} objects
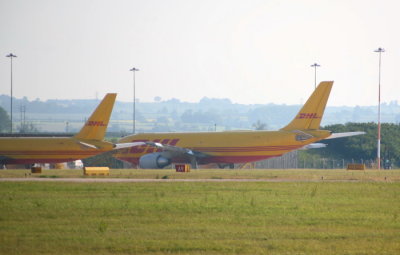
[
  {"x": 11, "y": 56},
  {"x": 315, "y": 65},
  {"x": 134, "y": 98},
  {"x": 379, "y": 50}
]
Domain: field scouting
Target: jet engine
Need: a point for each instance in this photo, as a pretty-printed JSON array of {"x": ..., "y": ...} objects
[{"x": 153, "y": 161}]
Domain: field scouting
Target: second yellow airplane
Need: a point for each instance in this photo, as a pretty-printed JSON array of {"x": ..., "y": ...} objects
[
  {"x": 157, "y": 150},
  {"x": 88, "y": 142}
]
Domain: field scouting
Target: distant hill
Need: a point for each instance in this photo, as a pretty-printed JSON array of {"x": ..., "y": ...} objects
[{"x": 174, "y": 115}]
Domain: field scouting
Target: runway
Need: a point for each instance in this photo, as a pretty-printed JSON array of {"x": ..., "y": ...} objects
[{"x": 129, "y": 180}]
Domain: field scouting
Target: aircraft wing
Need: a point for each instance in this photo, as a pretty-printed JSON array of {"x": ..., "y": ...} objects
[
  {"x": 177, "y": 150},
  {"x": 118, "y": 146},
  {"x": 345, "y": 134},
  {"x": 171, "y": 150}
]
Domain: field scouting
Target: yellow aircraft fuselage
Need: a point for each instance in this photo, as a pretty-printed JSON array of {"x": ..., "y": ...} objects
[
  {"x": 86, "y": 143},
  {"x": 234, "y": 146},
  {"x": 29, "y": 150},
  {"x": 222, "y": 147}
]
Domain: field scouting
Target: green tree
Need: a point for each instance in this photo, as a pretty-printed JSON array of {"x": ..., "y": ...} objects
[
  {"x": 260, "y": 125},
  {"x": 4, "y": 121},
  {"x": 28, "y": 127},
  {"x": 362, "y": 146}
]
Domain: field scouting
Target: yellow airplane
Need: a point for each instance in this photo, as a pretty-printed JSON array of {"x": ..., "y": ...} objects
[
  {"x": 88, "y": 142},
  {"x": 157, "y": 150}
]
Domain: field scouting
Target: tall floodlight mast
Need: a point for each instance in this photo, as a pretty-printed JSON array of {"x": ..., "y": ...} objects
[
  {"x": 11, "y": 56},
  {"x": 134, "y": 70},
  {"x": 315, "y": 65},
  {"x": 379, "y": 50}
]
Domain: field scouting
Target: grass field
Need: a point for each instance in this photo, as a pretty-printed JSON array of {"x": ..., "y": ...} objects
[
  {"x": 260, "y": 174},
  {"x": 200, "y": 218}
]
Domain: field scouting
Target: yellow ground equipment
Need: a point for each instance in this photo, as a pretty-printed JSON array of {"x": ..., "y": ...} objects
[
  {"x": 356, "y": 167},
  {"x": 96, "y": 171},
  {"x": 36, "y": 169}
]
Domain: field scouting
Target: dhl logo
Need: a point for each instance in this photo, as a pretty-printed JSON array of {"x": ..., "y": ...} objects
[
  {"x": 151, "y": 149},
  {"x": 92, "y": 123},
  {"x": 308, "y": 116}
]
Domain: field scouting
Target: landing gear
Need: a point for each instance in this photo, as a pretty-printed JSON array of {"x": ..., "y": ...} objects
[
  {"x": 193, "y": 163},
  {"x": 230, "y": 165}
]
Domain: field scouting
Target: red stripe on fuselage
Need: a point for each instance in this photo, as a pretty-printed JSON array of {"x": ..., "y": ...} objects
[
  {"x": 247, "y": 149},
  {"x": 211, "y": 159}
]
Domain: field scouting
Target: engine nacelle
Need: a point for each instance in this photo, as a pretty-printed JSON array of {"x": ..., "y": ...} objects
[{"x": 153, "y": 161}]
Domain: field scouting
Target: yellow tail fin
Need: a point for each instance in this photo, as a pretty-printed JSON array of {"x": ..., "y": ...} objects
[
  {"x": 96, "y": 126},
  {"x": 309, "y": 117}
]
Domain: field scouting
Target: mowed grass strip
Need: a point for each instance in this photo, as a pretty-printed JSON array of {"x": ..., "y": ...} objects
[
  {"x": 269, "y": 174},
  {"x": 200, "y": 218}
]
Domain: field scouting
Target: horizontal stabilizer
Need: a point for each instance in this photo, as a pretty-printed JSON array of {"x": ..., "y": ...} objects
[
  {"x": 314, "y": 146},
  {"x": 345, "y": 134}
]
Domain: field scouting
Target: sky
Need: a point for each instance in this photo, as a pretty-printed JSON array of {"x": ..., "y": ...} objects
[{"x": 252, "y": 52}]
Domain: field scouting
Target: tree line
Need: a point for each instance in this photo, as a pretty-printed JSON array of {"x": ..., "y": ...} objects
[
  {"x": 362, "y": 147},
  {"x": 176, "y": 115}
]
